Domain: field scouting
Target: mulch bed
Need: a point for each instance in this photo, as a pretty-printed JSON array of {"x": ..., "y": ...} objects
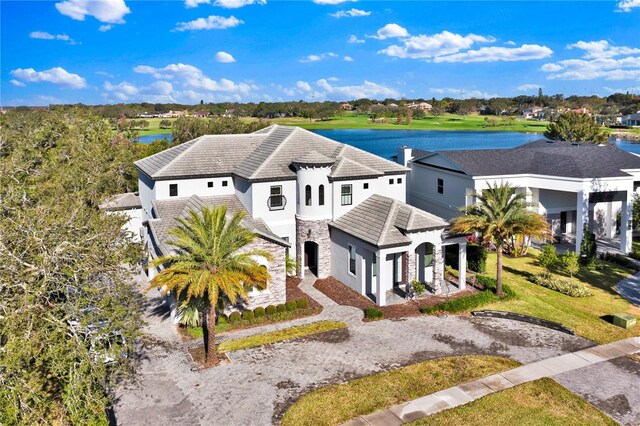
[
  {"x": 294, "y": 293},
  {"x": 344, "y": 295}
]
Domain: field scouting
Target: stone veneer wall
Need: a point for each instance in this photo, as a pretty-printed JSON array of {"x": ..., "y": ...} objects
[
  {"x": 411, "y": 265},
  {"x": 438, "y": 265},
  {"x": 276, "y": 292},
  {"x": 318, "y": 232}
]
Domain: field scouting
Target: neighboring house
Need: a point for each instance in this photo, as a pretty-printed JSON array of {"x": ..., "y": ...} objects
[
  {"x": 127, "y": 204},
  {"x": 334, "y": 208},
  {"x": 346, "y": 106},
  {"x": 533, "y": 112},
  {"x": 571, "y": 184},
  {"x": 632, "y": 120},
  {"x": 422, "y": 106}
]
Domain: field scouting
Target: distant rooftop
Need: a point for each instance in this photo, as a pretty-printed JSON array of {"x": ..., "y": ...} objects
[{"x": 126, "y": 201}]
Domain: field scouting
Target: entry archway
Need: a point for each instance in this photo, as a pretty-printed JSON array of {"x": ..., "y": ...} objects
[{"x": 311, "y": 257}]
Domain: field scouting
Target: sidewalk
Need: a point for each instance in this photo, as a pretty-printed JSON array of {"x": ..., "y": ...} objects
[
  {"x": 468, "y": 392},
  {"x": 629, "y": 288}
]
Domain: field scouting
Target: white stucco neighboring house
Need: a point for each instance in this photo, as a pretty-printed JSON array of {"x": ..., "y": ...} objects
[
  {"x": 571, "y": 184},
  {"x": 128, "y": 205},
  {"x": 336, "y": 209}
]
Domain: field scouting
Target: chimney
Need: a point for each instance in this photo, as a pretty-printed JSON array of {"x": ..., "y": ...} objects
[{"x": 405, "y": 154}]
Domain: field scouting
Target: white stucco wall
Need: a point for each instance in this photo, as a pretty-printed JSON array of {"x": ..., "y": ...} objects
[
  {"x": 134, "y": 222},
  {"x": 147, "y": 194},
  {"x": 380, "y": 186},
  {"x": 189, "y": 187},
  {"x": 314, "y": 177},
  {"x": 423, "y": 190}
]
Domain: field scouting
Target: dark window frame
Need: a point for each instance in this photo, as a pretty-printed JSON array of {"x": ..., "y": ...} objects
[
  {"x": 308, "y": 195},
  {"x": 225, "y": 183},
  {"x": 173, "y": 190},
  {"x": 210, "y": 184},
  {"x": 321, "y": 195},
  {"x": 346, "y": 198},
  {"x": 440, "y": 186},
  {"x": 276, "y": 201},
  {"x": 352, "y": 259}
]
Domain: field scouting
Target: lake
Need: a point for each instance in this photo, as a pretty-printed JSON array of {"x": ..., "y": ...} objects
[{"x": 385, "y": 142}]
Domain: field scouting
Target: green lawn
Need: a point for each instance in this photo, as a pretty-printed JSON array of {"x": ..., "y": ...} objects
[
  {"x": 581, "y": 314},
  {"x": 539, "y": 403},
  {"x": 337, "y": 404},
  {"x": 442, "y": 122},
  {"x": 280, "y": 335},
  {"x": 154, "y": 126}
]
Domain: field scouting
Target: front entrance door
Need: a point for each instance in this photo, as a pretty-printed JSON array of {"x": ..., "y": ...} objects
[
  {"x": 563, "y": 222},
  {"x": 399, "y": 271},
  {"x": 311, "y": 257}
]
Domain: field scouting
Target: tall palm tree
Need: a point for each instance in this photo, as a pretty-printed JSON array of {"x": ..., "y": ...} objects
[
  {"x": 210, "y": 263},
  {"x": 499, "y": 214}
]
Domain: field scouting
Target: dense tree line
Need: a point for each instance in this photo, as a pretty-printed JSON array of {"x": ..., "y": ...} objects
[
  {"x": 186, "y": 128},
  {"x": 69, "y": 316}
]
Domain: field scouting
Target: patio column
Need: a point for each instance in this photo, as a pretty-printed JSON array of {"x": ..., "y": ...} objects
[
  {"x": 462, "y": 266},
  {"x": 381, "y": 291},
  {"x": 438, "y": 268},
  {"x": 626, "y": 224},
  {"x": 582, "y": 216},
  {"x": 609, "y": 222}
]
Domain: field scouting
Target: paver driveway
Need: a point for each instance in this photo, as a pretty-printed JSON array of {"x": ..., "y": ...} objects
[{"x": 260, "y": 383}]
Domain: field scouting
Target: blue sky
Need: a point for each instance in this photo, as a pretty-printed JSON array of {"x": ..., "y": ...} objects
[{"x": 113, "y": 51}]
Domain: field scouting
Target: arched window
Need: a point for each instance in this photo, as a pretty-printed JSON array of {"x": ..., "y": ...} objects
[
  {"x": 321, "y": 195},
  {"x": 307, "y": 195}
]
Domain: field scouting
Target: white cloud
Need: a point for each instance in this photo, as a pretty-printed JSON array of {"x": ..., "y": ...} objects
[
  {"x": 391, "y": 31},
  {"x": 193, "y": 78},
  {"x": 606, "y": 68},
  {"x": 353, "y": 13},
  {"x": 212, "y": 22},
  {"x": 43, "y": 35},
  {"x": 462, "y": 93},
  {"x": 105, "y": 27},
  {"x": 348, "y": 59},
  {"x": 17, "y": 83},
  {"x": 304, "y": 86},
  {"x": 318, "y": 58},
  {"x": 224, "y": 57},
  {"x": 104, "y": 73},
  {"x": 602, "y": 49},
  {"x": 57, "y": 75},
  {"x": 430, "y": 46},
  {"x": 510, "y": 43},
  {"x": 330, "y": 2},
  {"x": 617, "y": 90},
  {"x": 494, "y": 53},
  {"x": 158, "y": 91},
  {"x": 527, "y": 87},
  {"x": 354, "y": 40},
  {"x": 195, "y": 3},
  {"x": 366, "y": 90},
  {"x": 235, "y": 4},
  {"x": 627, "y": 5},
  {"x": 108, "y": 11}
]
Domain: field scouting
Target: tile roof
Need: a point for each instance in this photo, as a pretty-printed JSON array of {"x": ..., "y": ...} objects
[
  {"x": 542, "y": 157},
  {"x": 267, "y": 154},
  {"x": 314, "y": 157},
  {"x": 166, "y": 213},
  {"x": 386, "y": 222},
  {"x": 126, "y": 201}
]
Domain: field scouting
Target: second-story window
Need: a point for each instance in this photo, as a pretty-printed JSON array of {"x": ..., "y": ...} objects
[
  {"x": 307, "y": 195},
  {"x": 321, "y": 195},
  {"x": 390, "y": 181},
  {"x": 173, "y": 190},
  {"x": 440, "y": 186},
  {"x": 225, "y": 183},
  {"x": 276, "y": 199},
  {"x": 209, "y": 184},
  {"x": 346, "y": 195},
  {"x": 399, "y": 180}
]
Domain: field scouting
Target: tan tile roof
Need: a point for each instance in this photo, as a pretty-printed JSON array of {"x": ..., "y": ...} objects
[{"x": 126, "y": 201}]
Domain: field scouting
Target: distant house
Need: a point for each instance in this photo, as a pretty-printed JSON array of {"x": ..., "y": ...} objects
[
  {"x": 200, "y": 114},
  {"x": 346, "y": 106},
  {"x": 534, "y": 112},
  {"x": 422, "y": 106},
  {"x": 632, "y": 120},
  {"x": 173, "y": 114},
  {"x": 580, "y": 111},
  {"x": 128, "y": 205}
]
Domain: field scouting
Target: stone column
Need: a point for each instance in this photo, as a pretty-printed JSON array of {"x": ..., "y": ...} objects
[
  {"x": 381, "y": 291},
  {"x": 582, "y": 216},
  {"x": 438, "y": 268},
  {"x": 626, "y": 225},
  {"x": 462, "y": 266},
  {"x": 411, "y": 265}
]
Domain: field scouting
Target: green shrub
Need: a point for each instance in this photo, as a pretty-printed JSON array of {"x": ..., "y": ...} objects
[
  {"x": 270, "y": 310},
  {"x": 477, "y": 257},
  {"x": 259, "y": 311},
  {"x": 222, "y": 319},
  {"x": 491, "y": 284},
  {"x": 302, "y": 303},
  {"x": 281, "y": 308},
  {"x": 548, "y": 257},
  {"x": 247, "y": 315},
  {"x": 290, "y": 305},
  {"x": 418, "y": 287},
  {"x": 570, "y": 262},
  {"x": 373, "y": 314},
  {"x": 619, "y": 260},
  {"x": 234, "y": 317},
  {"x": 566, "y": 287},
  {"x": 635, "y": 254},
  {"x": 462, "y": 304},
  {"x": 588, "y": 246}
]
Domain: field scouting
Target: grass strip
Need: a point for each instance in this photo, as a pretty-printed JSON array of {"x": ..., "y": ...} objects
[
  {"x": 337, "y": 404},
  {"x": 279, "y": 335},
  {"x": 539, "y": 403}
]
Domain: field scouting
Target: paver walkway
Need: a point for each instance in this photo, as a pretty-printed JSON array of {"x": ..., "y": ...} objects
[
  {"x": 629, "y": 288},
  {"x": 468, "y": 392}
]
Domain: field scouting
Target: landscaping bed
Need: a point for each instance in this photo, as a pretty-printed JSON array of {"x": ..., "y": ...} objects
[
  {"x": 294, "y": 293},
  {"x": 337, "y": 404},
  {"x": 344, "y": 295},
  {"x": 542, "y": 402}
]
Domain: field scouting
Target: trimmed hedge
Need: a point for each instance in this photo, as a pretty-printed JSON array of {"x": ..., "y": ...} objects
[
  {"x": 477, "y": 257},
  {"x": 565, "y": 287},
  {"x": 247, "y": 315},
  {"x": 290, "y": 305},
  {"x": 619, "y": 259},
  {"x": 373, "y": 314},
  {"x": 281, "y": 308},
  {"x": 234, "y": 317},
  {"x": 259, "y": 311},
  {"x": 270, "y": 310},
  {"x": 302, "y": 303},
  {"x": 471, "y": 302}
]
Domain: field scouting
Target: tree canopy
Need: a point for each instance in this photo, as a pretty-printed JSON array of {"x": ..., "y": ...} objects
[{"x": 575, "y": 127}]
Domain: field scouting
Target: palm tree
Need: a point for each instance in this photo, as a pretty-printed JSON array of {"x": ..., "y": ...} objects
[
  {"x": 499, "y": 214},
  {"x": 210, "y": 263}
]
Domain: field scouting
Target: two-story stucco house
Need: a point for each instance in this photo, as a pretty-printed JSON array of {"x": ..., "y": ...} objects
[
  {"x": 336, "y": 209},
  {"x": 571, "y": 184}
]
